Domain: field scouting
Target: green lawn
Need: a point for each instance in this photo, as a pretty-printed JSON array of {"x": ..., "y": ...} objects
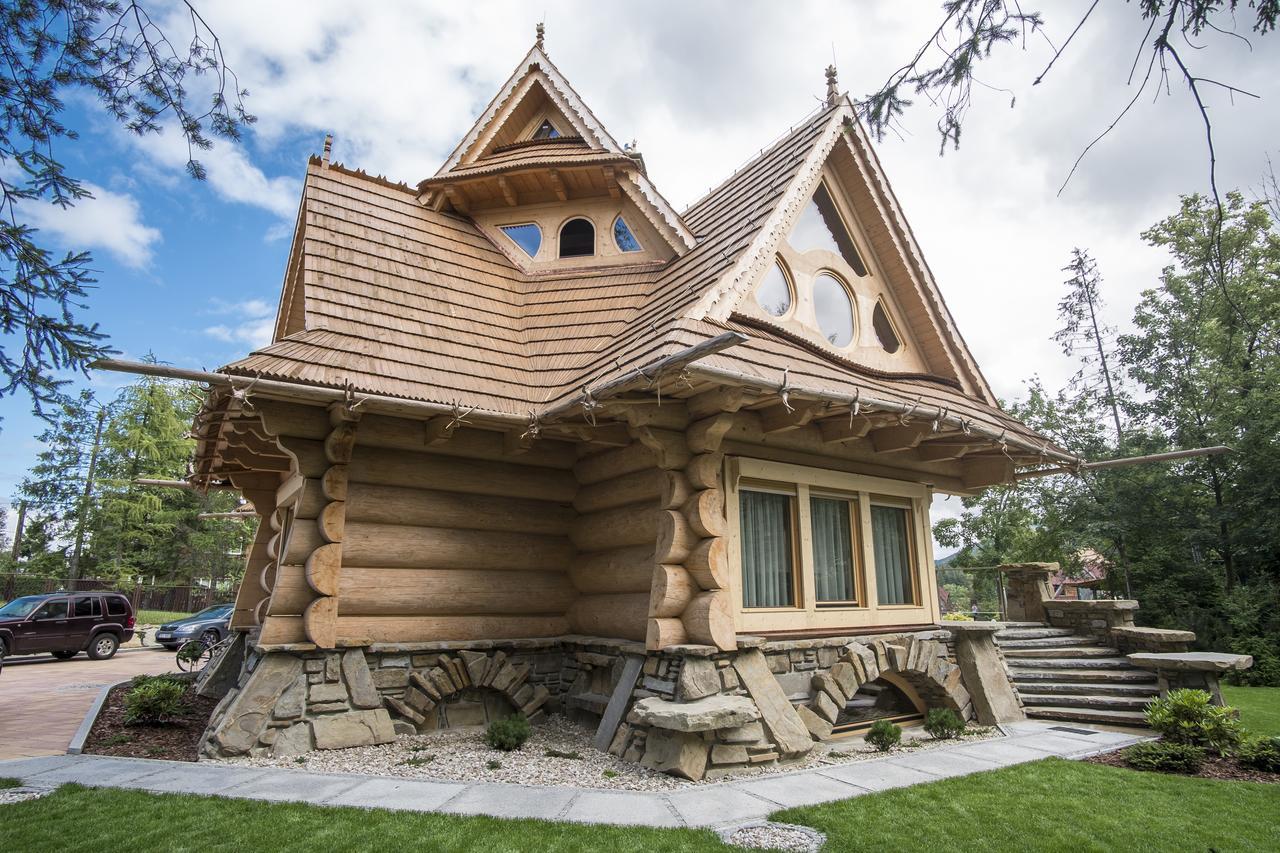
[
  {"x": 1259, "y": 707},
  {"x": 159, "y": 617},
  {"x": 1048, "y": 805}
]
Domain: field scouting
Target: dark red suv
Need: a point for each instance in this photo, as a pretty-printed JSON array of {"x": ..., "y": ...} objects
[{"x": 65, "y": 624}]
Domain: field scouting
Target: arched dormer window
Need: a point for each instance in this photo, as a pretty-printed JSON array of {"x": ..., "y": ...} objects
[{"x": 577, "y": 238}]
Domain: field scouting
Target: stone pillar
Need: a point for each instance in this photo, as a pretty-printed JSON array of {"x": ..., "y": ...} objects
[
  {"x": 1190, "y": 670},
  {"x": 985, "y": 674},
  {"x": 1026, "y": 587}
]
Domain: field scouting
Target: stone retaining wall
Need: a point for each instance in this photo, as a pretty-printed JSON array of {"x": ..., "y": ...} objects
[
  {"x": 693, "y": 711},
  {"x": 1096, "y": 617}
]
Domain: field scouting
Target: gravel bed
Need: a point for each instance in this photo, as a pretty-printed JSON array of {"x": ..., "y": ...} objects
[
  {"x": 461, "y": 755},
  {"x": 19, "y": 795},
  {"x": 768, "y": 835}
]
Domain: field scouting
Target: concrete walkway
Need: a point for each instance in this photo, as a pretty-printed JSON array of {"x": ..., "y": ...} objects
[
  {"x": 719, "y": 804},
  {"x": 43, "y": 700}
]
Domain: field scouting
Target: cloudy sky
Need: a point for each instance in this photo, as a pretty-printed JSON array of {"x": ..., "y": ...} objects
[{"x": 191, "y": 271}]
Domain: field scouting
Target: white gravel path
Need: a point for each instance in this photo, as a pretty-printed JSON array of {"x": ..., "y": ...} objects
[{"x": 461, "y": 755}]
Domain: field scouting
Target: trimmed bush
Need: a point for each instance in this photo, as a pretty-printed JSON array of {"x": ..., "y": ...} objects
[
  {"x": 509, "y": 734},
  {"x": 884, "y": 735},
  {"x": 1165, "y": 756},
  {"x": 1187, "y": 716},
  {"x": 943, "y": 723},
  {"x": 1260, "y": 753},
  {"x": 154, "y": 702},
  {"x": 957, "y": 616}
]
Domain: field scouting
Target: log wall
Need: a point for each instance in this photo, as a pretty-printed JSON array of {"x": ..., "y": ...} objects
[{"x": 392, "y": 535}]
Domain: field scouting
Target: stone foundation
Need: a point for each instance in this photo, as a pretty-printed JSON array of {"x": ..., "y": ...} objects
[{"x": 693, "y": 711}]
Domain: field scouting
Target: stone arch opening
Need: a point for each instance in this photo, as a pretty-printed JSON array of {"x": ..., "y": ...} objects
[
  {"x": 906, "y": 675},
  {"x": 467, "y": 689}
]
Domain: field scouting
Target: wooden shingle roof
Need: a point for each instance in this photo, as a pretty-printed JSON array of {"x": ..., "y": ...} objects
[{"x": 399, "y": 299}]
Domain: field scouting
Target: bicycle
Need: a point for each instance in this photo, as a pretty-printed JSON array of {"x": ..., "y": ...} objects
[{"x": 195, "y": 655}]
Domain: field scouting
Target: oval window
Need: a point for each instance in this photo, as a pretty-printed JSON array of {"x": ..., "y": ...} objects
[
  {"x": 774, "y": 293},
  {"x": 833, "y": 309},
  {"x": 577, "y": 238},
  {"x": 884, "y": 329}
]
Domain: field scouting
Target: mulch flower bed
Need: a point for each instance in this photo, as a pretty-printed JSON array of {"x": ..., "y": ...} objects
[
  {"x": 1214, "y": 767},
  {"x": 174, "y": 741}
]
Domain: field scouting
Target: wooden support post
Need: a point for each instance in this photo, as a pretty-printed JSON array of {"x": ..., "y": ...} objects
[{"x": 982, "y": 471}]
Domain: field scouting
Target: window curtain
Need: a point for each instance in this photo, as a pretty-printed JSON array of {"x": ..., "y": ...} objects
[
  {"x": 832, "y": 549},
  {"x": 766, "y": 550},
  {"x": 889, "y": 532}
]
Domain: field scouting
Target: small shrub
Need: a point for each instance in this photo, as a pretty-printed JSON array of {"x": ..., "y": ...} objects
[
  {"x": 301, "y": 759},
  {"x": 1260, "y": 753},
  {"x": 943, "y": 723},
  {"x": 509, "y": 734},
  {"x": 494, "y": 764},
  {"x": 1165, "y": 756},
  {"x": 884, "y": 735},
  {"x": 560, "y": 753},
  {"x": 154, "y": 702},
  {"x": 610, "y": 774},
  {"x": 1186, "y": 716},
  {"x": 957, "y": 616}
]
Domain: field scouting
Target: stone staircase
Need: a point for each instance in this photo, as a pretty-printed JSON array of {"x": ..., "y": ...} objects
[{"x": 1061, "y": 675}]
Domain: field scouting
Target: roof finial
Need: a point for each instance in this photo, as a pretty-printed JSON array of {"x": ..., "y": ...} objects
[
  {"x": 328, "y": 148},
  {"x": 542, "y": 34},
  {"x": 833, "y": 90}
]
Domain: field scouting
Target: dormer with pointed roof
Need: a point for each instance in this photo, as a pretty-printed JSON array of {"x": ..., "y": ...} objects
[{"x": 538, "y": 160}]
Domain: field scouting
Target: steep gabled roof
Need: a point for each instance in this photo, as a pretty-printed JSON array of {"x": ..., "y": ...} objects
[{"x": 389, "y": 296}]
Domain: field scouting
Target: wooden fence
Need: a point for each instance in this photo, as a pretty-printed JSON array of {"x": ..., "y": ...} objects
[{"x": 178, "y": 598}]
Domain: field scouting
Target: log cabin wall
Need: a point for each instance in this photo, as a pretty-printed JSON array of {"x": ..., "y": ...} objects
[{"x": 441, "y": 534}]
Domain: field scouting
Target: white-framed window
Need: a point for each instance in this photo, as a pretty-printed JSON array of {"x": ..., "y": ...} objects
[{"x": 815, "y": 548}]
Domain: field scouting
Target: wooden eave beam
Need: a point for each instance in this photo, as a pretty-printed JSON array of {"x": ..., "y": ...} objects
[
  {"x": 611, "y": 434},
  {"x": 611, "y": 181},
  {"x": 982, "y": 471},
  {"x": 557, "y": 184},
  {"x": 439, "y": 429},
  {"x": 508, "y": 191},
  {"x": 782, "y": 417},
  {"x": 724, "y": 399},
  {"x": 845, "y": 428},
  {"x": 892, "y": 439},
  {"x": 458, "y": 198},
  {"x": 947, "y": 449}
]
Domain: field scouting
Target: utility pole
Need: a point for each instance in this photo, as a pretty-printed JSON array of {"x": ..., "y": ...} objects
[{"x": 73, "y": 573}]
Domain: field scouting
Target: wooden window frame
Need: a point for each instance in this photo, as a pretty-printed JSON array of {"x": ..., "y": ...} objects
[
  {"x": 855, "y": 546},
  {"x": 913, "y": 556},
  {"x": 797, "y": 588},
  {"x": 808, "y": 614}
]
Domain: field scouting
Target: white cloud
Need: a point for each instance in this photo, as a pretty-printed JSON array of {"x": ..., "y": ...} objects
[
  {"x": 253, "y": 324},
  {"x": 110, "y": 221},
  {"x": 703, "y": 86}
]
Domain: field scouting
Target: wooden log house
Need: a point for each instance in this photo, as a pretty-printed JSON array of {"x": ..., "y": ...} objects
[{"x": 527, "y": 438}]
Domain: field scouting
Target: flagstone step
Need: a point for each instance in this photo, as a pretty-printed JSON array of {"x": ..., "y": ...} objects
[
  {"x": 1055, "y": 642},
  {"x": 1088, "y": 715},
  {"x": 1131, "y": 675},
  {"x": 1087, "y": 688},
  {"x": 1025, "y": 624},
  {"x": 1032, "y": 633},
  {"x": 1073, "y": 662},
  {"x": 1064, "y": 652},
  {"x": 1092, "y": 702}
]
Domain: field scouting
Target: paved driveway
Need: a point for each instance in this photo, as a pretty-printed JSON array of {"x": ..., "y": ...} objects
[{"x": 43, "y": 700}]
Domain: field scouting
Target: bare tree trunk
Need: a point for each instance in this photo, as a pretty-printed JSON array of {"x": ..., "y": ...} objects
[
  {"x": 1106, "y": 371},
  {"x": 73, "y": 571},
  {"x": 17, "y": 533},
  {"x": 1224, "y": 530}
]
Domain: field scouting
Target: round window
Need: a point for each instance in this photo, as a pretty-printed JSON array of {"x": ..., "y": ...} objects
[
  {"x": 833, "y": 309},
  {"x": 774, "y": 293}
]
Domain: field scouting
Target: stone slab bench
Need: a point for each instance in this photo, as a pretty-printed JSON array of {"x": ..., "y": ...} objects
[{"x": 1194, "y": 670}]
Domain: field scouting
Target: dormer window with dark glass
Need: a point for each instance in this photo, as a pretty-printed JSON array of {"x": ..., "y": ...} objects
[
  {"x": 577, "y": 239},
  {"x": 546, "y": 130}
]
